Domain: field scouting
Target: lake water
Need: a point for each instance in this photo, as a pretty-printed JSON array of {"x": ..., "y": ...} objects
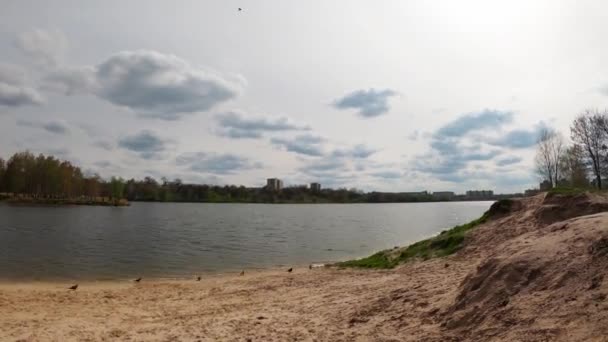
[{"x": 183, "y": 239}]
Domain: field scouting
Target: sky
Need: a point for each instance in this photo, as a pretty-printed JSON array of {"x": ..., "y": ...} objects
[{"x": 374, "y": 95}]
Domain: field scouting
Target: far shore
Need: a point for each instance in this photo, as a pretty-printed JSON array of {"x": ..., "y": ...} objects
[
  {"x": 124, "y": 202},
  {"x": 60, "y": 201}
]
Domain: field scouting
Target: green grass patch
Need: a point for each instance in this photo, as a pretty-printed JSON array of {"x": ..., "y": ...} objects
[
  {"x": 446, "y": 243},
  {"x": 379, "y": 260}
]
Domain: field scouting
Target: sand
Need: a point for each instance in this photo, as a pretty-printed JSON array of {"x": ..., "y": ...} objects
[
  {"x": 306, "y": 305},
  {"x": 521, "y": 277}
]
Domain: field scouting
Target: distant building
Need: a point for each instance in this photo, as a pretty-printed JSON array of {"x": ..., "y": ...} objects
[
  {"x": 480, "y": 194},
  {"x": 444, "y": 194},
  {"x": 315, "y": 187},
  {"x": 274, "y": 184},
  {"x": 415, "y": 193}
]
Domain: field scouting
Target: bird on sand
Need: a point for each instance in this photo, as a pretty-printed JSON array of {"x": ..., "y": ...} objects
[
  {"x": 310, "y": 267},
  {"x": 137, "y": 280},
  {"x": 242, "y": 272},
  {"x": 289, "y": 270},
  {"x": 240, "y": 9},
  {"x": 198, "y": 278},
  {"x": 73, "y": 287}
]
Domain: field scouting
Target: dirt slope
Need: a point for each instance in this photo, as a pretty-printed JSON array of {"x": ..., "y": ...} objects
[
  {"x": 537, "y": 273},
  {"x": 548, "y": 282}
]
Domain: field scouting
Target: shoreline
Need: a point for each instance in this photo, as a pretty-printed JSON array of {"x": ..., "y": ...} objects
[
  {"x": 7, "y": 283},
  {"x": 219, "y": 275}
]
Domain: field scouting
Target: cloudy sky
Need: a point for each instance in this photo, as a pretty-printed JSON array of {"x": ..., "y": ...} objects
[{"x": 378, "y": 95}]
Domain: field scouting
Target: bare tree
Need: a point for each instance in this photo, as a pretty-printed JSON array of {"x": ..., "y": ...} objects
[
  {"x": 603, "y": 122},
  {"x": 589, "y": 132},
  {"x": 574, "y": 168},
  {"x": 550, "y": 150}
]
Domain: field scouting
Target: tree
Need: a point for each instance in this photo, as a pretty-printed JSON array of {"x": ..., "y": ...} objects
[
  {"x": 92, "y": 186},
  {"x": 150, "y": 189},
  {"x": 2, "y": 172},
  {"x": 603, "y": 122},
  {"x": 573, "y": 166},
  {"x": 587, "y": 131},
  {"x": 550, "y": 148},
  {"x": 15, "y": 174},
  {"x": 117, "y": 187}
]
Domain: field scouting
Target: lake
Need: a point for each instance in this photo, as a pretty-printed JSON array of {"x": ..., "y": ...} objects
[{"x": 184, "y": 239}]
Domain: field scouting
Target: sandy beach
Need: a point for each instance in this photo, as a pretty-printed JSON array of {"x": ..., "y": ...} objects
[
  {"x": 306, "y": 305},
  {"x": 535, "y": 274}
]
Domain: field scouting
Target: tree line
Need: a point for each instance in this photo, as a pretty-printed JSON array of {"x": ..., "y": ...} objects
[
  {"x": 46, "y": 177},
  {"x": 166, "y": 190},
  {"x": 581, "y": 164}
]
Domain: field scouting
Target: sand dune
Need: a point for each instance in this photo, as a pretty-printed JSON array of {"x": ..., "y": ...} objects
[{"x": 538, "y": 273}]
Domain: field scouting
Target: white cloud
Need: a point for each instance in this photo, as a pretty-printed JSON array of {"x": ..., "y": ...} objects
[
  {"x": 54, "y": 126},
  {"x": 14, "y": 91},
  {"x": 46, "y": 47},
  {"x": 149, "y": 83},
  {"x": 160, "y": 85},
  {"x": 147, "y": 144},
  {"x": 357, "y": 151},
  {"x": 238, "y": 125},
  {"x": 70, "y": 80},
  {"x": 306, "y": 144},
  {"x": 213, "y": 163},
  {"x": 370, "y": 103},
  {"x": 14, "y": 96}
]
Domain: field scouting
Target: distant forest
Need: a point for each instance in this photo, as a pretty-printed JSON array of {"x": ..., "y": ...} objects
[{"x": 47, "y": 177}]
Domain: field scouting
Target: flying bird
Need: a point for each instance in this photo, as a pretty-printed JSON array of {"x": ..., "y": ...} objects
[
  {"x": 240, "y": 9},
  {"x": 289, "y": 270},
  {"x": 73, "y": 287},
  {"x": 137, "y": 280}
]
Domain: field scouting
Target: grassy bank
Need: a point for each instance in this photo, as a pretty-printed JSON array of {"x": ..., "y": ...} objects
[{"x": 446, "y": 243}]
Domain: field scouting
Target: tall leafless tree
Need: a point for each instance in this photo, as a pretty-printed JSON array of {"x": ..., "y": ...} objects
[
  {"x": 573, "y": 166},
  {"x": 550, "y": 150},
  {"x": 588, "y": 130}
]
